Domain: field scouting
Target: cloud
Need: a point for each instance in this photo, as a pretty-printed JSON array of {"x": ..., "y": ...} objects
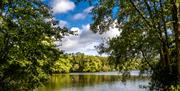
[
  {"x": 83, "y": 15},
  {"x": 88, "y": 10},
  {"x": 85, "y": 41},
  {"x": 62, "y": 6},
  {"x": 63, "y": 23},
  {"x": 113, "y": 32},
  {"x": 75, "y": 29},
  {"x": 79, "y": 16}
]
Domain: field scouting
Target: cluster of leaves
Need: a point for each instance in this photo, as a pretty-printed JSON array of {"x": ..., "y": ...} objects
[
  {"x": 149, "y": 31},
  {"x": 81, "y": 63},
  {"x": 62, "y": 65},
  {"x": 27, "y": 49}
]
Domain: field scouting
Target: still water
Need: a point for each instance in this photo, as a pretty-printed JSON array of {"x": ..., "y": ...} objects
[{"x": 101, "y": 81}]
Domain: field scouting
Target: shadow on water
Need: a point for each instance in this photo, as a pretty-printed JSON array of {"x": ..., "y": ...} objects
[{"x": 94, "y": 82}]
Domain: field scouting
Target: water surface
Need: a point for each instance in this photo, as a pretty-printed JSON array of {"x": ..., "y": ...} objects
[{"x": 101, "y": 81}]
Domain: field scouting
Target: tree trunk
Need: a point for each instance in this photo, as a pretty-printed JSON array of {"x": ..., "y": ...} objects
[{"x": 176, "y": 26}]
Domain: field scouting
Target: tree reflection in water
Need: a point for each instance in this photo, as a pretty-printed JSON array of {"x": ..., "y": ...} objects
[{"x": 89, "y": 82}]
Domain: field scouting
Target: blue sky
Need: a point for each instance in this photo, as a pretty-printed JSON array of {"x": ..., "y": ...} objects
[
  {"x": 78, "y": 17},
  {"x": 75, "y": 15}
]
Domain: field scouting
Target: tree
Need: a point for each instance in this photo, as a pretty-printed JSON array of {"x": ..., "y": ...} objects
[
  {"x": 62, "y": 65},
  {"x": 149, "y": 31},
  {"x": 176, "y": 27},
  {"x": 27, "y": 49}
]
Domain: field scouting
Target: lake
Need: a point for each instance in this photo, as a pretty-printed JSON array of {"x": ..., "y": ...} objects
[{"x": 100, "y": 81}]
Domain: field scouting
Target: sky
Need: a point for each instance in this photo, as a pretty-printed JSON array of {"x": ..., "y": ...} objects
[{"x": 78, "y": 17}]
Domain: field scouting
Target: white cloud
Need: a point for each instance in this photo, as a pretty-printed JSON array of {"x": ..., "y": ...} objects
[
  {"x": 86, "y": 40},
  {"x": 75, "y": 29},
  {"x": 83, "y": 15},
  {"x": 88, "y": 10},
  {"x": 113, "y": 32},
  {"x": 62, "y": 6},
  {"x": 63, "y": 23},
  {"x": 49, "y": 19},
  {"x": 79, "y": 16},
  {"x": 86, "y": 27}
]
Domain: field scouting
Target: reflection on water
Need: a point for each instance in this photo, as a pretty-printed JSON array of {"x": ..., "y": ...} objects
[{"x": 93, "y": 82}]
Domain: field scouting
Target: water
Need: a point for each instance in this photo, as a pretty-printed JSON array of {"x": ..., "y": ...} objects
[{"x": 101, "y": 81}]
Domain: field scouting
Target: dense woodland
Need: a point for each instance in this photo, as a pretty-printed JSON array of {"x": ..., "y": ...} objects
[
  {"x": 80, "y": 62},
  {"x": 149, "y": 40}
]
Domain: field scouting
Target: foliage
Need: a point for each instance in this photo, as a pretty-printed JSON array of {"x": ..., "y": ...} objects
[
  {"x": 62, "y": 65},
  {"x": 80, "y": 63},
  {"x": 92, "y": 64},
  {"x": 27, "y": 47},
  {"x": 149, "y": 32},
  {"x": 85, "y": 63}
]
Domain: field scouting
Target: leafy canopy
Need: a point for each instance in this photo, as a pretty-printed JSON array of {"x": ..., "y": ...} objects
[{"x": 27, "y": 49}]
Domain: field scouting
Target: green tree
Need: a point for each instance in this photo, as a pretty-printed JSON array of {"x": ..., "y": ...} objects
[
  {"x": 27, "y": 47},
  {"x": 86, "y": 63},
  {"x": 92, "y": 64},
  {"x": 149, "y": 31},
  {"x": 62, "y": 65}
]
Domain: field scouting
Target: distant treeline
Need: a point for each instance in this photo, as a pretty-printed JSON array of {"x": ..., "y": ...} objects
[{"x": 80, "y": 62}]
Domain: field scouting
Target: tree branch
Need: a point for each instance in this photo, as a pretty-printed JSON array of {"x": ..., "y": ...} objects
[{"x": 140, "y": 14}]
